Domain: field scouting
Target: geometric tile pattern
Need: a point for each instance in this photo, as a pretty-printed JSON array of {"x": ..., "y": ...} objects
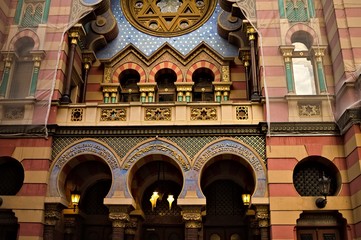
[{"x": 191, "y": 145}]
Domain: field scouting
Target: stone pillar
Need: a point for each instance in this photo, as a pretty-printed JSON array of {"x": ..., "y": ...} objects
[
  {"x": 75, "y": 35},
  {"x": 193, "y": 221},
  {"x": 251, "y": 32},
  {"x": 8, "y": 59},
  {"x": 262, "y": 216},
  {"x": 319, "y": 52},
  {"x": 119, "y": 215},
  {"x": 287, "y": 52},
  {"x": 52, "y": 215}
]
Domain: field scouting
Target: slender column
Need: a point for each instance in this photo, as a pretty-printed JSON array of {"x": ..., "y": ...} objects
[
  {"x": 8, "y": 59},
  {"x": 287, "y": 52},
  {"x": 75, "y": 35},
  {"x": 251, "y": 32},
  {"x": 86, "y": 67},
  {"x": 147, "y": 91},
  {"x": 66, "y": 96},
  {"x": 311, "y": 9},
  {"x": 88, "y": 59},
  {"x": 193, "y": 221},
  {"x": 110, "y": 92},
  {"x": 51, "y": 217},
  {"x": 37, "y": 57},
  {"x": 281, "y": 6},
  {"x": 319, "y": 53},
  {"x": 244, "y": 56},
  {"x": 262, "y": 216}
]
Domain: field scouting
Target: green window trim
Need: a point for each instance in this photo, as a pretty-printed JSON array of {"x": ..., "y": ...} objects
[{"x": 44, "y": 15}]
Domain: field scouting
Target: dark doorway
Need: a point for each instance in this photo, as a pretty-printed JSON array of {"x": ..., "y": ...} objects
[
  {"x": 8, "y": 225},
  {"x": 226, "y": 214}
]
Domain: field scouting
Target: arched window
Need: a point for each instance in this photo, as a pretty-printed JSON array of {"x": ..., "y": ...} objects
[
  {"x": 203, "y": 87},
  {"x": 304, "y": 65},
  {"x": 303, "y": 73},
  {"x": 23, "y": 69},
  {"x": 166, "y": 90},
  {"x": 129, "y": 89},
  {"x": 32, "y": 13}
]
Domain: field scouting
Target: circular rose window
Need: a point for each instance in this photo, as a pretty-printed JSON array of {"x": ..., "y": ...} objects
[{"x": 167, "y": 18}]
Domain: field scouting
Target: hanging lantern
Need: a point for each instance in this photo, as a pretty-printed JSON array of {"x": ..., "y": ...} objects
[
  {"x": 170, "y": 200},
  {"x": 75, "y": 197},
  {"x": 153, "y": 199},
  {"x": 246, "y": 197}
]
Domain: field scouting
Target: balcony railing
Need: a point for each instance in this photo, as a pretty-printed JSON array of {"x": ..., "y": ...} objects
[{"x": 136, "y": 114}]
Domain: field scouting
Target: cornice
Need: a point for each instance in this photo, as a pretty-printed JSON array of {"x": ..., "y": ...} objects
[
  {"x": 305, "y": 128},
  {"x": 228, "y": 130},
  {"x": 349, "y": 118}
]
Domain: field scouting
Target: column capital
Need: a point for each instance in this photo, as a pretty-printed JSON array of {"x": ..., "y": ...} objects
[
  {"x": 319, "y": 52},
  {"x": 287, "y": 52},
  {"x": 77, "y": 34},
  {"x": 53, "y": 213},
  {"x": 262, "y": 215},
  {"x": 192, "y": 216},
  {"x": 88, "y": 59},
  {"x": 244, "y": 54}
]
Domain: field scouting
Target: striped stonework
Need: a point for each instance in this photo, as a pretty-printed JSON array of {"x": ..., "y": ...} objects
[
  {"x": 203, "y": 64},
  {"x": 164, "y": 65},
  {"x": 130, "y": 65}
]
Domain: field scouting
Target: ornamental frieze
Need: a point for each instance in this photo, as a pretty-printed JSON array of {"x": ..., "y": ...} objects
[
  {"x": 84, "y": 148},
  {"x": 228, "y": 146},
  {"x": 156, "y": 147}
]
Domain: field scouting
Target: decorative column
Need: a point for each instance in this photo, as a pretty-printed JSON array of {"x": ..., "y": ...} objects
[
  {"x": 37, "y": 57},
  {"x": 251, "y": 32},
  {"x": 75, "y": 35},
  {"x": 52, "y": 215},
  {"x": 131, "y": 228},
  {"x": 88, "y": 59},
  {"x": 184, "y": 91},
  {"x": 147, "y": 91},
  {"x": 222, "y": 90},
  {"x": 193, "y": 221},
  {"x": 119, "y": 216},
  {"x": 245, "y": 56},
  {"x": 319, "y": 52},
  {"x": 110, "y": 92},
  {"x": 8, "y": 59},
  {"x": 262, "y": 216},
  {"x": 287, "y": 53}
]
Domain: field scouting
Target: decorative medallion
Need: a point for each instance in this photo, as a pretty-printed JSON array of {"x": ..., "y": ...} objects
[{"x": 166, "y": 18}]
